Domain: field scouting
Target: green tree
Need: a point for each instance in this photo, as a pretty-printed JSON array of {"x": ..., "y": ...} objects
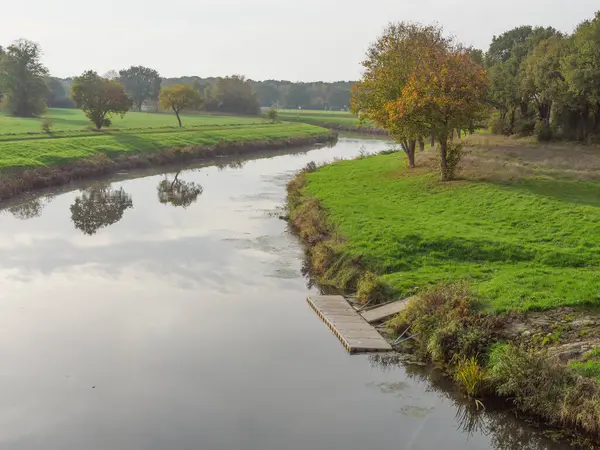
[
  {"x": 232, "y": 94},
  {"x": 141, "y": 84},
  {"x": 177, "y": 98},
  {"x": 57, "y": 96},
  {"x": 542, "y": 82},
  {"x": 272, "y": 114},
  {"x": 22, "y": 79},
  {"x": 297, "y": 96},
  {"x": 99, "y": 98}
]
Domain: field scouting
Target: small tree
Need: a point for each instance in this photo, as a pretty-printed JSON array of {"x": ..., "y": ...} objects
[
  {"x": 22, "y": 79},
  {"x": 99, "y": 98},
  {"x": 446, "y": 92},
  {"x": 177, "y": 98},
  {"x": 272, "y": 114}
]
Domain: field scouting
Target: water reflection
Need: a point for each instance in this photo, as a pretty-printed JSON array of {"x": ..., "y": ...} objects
[
  {"x": 236, "y": 165},
  {"x": 30, "y": 209},
  {"x": 99, "y": 206},
  {"x": 178, "y": 192},
  {"x": 505, "y": 431}
]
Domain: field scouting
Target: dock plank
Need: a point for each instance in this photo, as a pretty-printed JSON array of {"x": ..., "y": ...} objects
[
  {"x": 355, "y": 333},
  {"x": 383, "y": 312}
]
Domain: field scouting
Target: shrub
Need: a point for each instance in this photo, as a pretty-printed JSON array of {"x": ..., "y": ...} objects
[
  {"x": 454, "y": 157},
  {"x": 541, "y": 385},
  {"x": 273, "y": 115},
  {"x": 447, "y": 324},
  {"x": 372, "y": 289},
  {"x": 46, "y": 125},
  {"x": 542, "y": 131}
]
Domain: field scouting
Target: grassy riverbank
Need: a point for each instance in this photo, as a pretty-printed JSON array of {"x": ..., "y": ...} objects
[
  {"x": 507, "y": 254},
  {"x": 33, "y": 159}
]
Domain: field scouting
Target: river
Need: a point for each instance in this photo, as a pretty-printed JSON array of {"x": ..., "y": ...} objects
[{"x": 163, "y": 311}]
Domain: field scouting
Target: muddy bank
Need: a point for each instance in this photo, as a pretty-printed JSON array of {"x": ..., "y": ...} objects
[{"x": 17, "y": 182}]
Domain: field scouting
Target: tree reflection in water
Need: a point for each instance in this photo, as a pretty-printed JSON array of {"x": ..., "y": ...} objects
[
  {"x": 178, "y": 192},
  {"x": 31, "y": 208},
  {"x": 99, "y": 206},
  {"x": 504, "y": 430}
]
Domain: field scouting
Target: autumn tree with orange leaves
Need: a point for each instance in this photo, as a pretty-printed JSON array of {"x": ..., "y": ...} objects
[{"x": 418, "y": 83}]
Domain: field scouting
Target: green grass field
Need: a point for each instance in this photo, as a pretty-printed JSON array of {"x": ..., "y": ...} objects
[
  {"x": 321, "y": 118},
  {"x": 74, "y": 119},
  {"x": 528, "y": 244},
  {"x": 23, "y": 145}
]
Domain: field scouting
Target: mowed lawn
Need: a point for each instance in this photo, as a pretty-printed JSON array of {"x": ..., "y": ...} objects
[
  {"x": 74, "y": 119},
  {"x": 522, "y": 245}
]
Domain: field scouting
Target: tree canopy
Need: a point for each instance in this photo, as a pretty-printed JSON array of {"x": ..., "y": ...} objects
[
  {"x": 99, "y": 98},
  {"x": 177, "y": 98},
  {"x": 232, "y": 94},
  {"x": 141, "y": 84},
  {"x": 22, "y": 79}
]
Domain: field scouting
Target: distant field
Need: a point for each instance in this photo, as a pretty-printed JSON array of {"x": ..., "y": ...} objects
[
  {"x": 74, "y": 119},
  {"x": 34, "y": 151},
  {"x": 321, "y": 118}
]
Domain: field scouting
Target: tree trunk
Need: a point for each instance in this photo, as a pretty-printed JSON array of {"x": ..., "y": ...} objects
[
  {"x": 432, "y": 140},
  {"x": 421, "y": 144},
  {"x": 443, "y": 159},
  {"x": 513, "y": 113},
  {"x": 410, "y": 152},
  {"x": 458, "y": 133},
  {"x": 178, "y": 119}
]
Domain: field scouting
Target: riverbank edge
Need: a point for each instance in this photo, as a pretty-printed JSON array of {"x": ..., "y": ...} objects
[
  {"x": 17, "y": 182},
  {"x": 358, "y": 129},
  {"x": 472, "y": 348}
]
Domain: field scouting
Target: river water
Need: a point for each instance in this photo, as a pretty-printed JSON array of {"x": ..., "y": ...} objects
[{"x": 164, "y": 311}]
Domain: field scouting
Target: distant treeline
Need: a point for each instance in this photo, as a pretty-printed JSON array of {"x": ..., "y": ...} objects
[{"x": 282, "y": 94}]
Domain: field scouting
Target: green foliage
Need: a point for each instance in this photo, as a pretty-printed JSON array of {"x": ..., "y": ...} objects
[
  {"x": 547, "y": 84},
  {"x": 232, "y": 95},
  {"x": 141, "y": 84},
  {"x": 272, "y": 114},
  {"x": 99, "y": 98},
  {"x": 22, "y": 79},
  {"x": 372, "y": 290},
  {"x": 454, "y": 157},
  {"x": 46, "y": 126},
  {"x": 524, "y": 244}
]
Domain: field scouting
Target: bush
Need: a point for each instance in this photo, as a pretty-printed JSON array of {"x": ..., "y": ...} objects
[
  {"x": 542, "y": 131},
  {"x": 46, "y": 125},
  {"x": 454, "y": 157},
  {"x": 541, "y": 385},
  {"x": 272, "y": 115},
  {"x": 447, "y": 324},
  {"x": 372, "y": 290}
]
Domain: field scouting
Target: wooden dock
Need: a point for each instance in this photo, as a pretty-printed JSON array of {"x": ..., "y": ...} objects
[
  {"x": 355, "y": 333},
  {"x": 380, "y": 313}
]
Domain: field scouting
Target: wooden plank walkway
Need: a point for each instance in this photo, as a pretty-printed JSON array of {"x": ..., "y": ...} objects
[
  {"x": 383, "y": 312},
  {"x": 348, "y": 325}
]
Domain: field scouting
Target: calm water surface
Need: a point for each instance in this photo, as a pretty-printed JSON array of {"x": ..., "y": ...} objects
[{"x": 169, "y": 313}]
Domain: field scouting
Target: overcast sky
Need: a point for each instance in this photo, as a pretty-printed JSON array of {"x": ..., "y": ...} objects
[{"x": 300, "y": 40}]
